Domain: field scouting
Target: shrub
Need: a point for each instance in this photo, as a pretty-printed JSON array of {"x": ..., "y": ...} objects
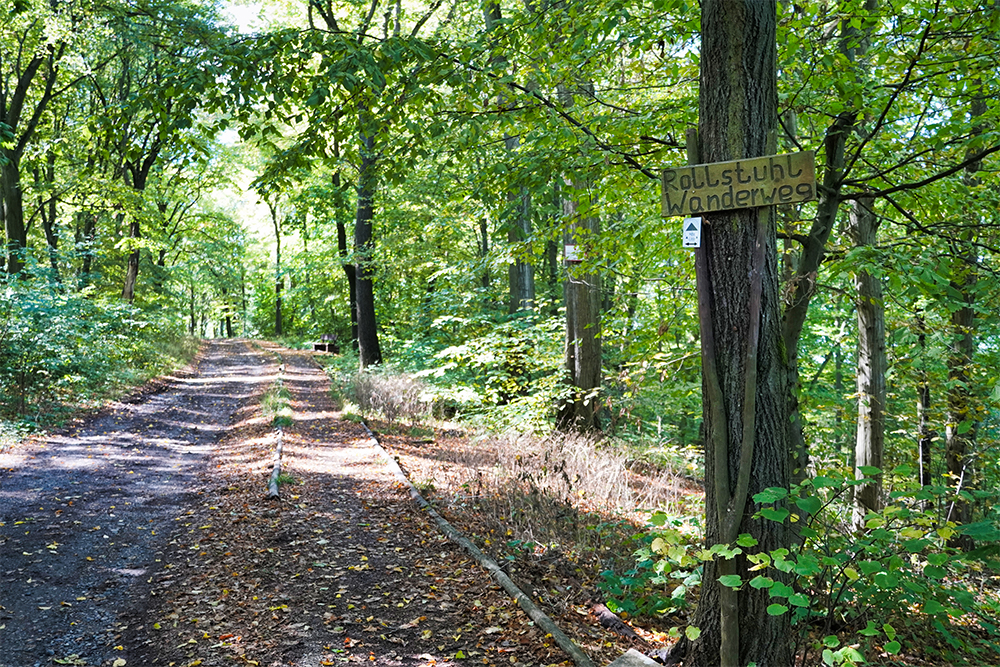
[{"x": 59, "y": 348}]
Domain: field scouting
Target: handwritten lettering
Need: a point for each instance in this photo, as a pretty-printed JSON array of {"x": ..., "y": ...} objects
[{"x": 765, "y": 181}]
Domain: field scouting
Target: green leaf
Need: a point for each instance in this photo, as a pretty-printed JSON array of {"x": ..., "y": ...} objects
[
  {"x": 937, "y": 559},
  {"x": 776, "y": 609},
  {"x": 809, "y": 504},
  {"x": 775, "y": 515},
  {"x": 869, "y": 631},
  {"x": 746, "y": 540},
  {"x": 890, "y": 631},
  {"x": 870, "y": 471},
  {"x": 771, "y": 494},
  {"x": 799, "y": 599},
  {"x": 760, "y": 581},
  {"x": 870, "y": 567},
  {"x": 731, "y": 580},
  {"x": 892, "y": 648},
  {"x": 780, "y": 590},
  {"x": 935, "y": 572},
  {"x": 692, "y": 633}
]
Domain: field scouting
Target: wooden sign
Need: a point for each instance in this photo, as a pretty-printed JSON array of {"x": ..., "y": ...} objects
[{"x": 723, "y": 186}]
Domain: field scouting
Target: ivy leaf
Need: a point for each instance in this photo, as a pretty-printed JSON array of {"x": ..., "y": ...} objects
[
  {"x": 776, "y": 609},
  {"x": 692, "y": 633},
  {"x": 892, "y": 647},
  {"x": 731, "y": 580}
]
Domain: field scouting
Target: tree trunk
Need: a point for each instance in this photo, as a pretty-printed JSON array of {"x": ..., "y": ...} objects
[
  {"x": 872, "y": 365},
  {"x": 89, "y": 237},
  {"x": 745, "y": 407},
  {"x": 484, "y": 255},
  {"x": 132, "y": 265},
  {"x": 193, "y": 322},
  {"x": 369, "y": 352},
  {"x": 13, "y": 211},
  {"x": 925, "y": 435},
  {"x": 349, "y": 272},
  {"x": 962, "y": 422},
  {"x": 963, "y": 418},
  {"x": 854, "y": 46},
  {"x": 139, "y": 172},
  {"x": 279, "y": 278},
  {"x": 583, "y": 324},
  {"x": 520, "y": 274},
  {"x": 48, "y": 208}
]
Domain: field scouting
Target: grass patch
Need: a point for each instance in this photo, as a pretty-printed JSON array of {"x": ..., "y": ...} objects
[{"x": 275, "y": 404}]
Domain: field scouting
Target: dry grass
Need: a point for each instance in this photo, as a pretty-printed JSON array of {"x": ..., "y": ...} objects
[
  {"x": 394, "y": 396},
  {"x": 571, "y": 493}
]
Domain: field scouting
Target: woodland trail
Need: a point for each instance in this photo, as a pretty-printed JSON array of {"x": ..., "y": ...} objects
[
  {"x": 145, "y": 538},
  {"x": 85, "y": 515}
]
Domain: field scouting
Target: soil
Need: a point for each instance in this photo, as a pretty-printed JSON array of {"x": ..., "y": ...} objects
[{"x": 143, "y": 536}]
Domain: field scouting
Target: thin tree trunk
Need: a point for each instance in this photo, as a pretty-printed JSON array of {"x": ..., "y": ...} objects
[
  {"x": 484, "y": 254},
  {"x": 193, "y": 323},
  {"x": 854, "y": 46},
  {"x": 49, "y": 210},
  {"x": 132, "y": 264},
  {"x": 279, "y": 278},
  {"x": 520, "y": 274},
  {"x": 342, "y": 250},
  {"x": 962, "y": 418},
  {"x": 925, "y": 435},
  {"x": 86, "y": 247},
  {"x": 872, "y": 365}
]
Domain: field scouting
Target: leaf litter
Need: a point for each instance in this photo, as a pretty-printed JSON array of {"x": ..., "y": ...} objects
[{"x": 343, "y": 569}]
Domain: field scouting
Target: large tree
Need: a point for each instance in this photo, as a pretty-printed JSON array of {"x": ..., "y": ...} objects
[{"x": 745, "y": 413}]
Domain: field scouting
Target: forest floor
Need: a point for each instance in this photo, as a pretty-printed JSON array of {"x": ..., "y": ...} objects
[{"x": 142, "y": 536}]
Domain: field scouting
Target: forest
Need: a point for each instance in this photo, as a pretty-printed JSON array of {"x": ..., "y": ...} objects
[{"x": 466, "y": 197}]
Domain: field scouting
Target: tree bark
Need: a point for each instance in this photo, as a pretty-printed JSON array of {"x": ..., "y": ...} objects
[
  {"x": 369, "y": 352},
  {"x": 872, "y": 365},
  {"x": 13, "y": 211},
  {"x": 132, "y": 264},
  {"x": 279, "y": 278},
  {"x": 745, "y": 409},
  {"x": 582, "y": 293}
]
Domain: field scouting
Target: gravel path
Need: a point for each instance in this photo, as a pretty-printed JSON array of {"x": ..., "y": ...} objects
[{"x": 85, "y": 515}]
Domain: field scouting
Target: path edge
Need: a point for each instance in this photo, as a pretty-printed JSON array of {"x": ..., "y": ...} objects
[{"x": 534, "y": 612}]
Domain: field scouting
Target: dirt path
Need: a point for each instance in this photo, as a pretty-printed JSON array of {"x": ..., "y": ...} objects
[
  {"x": 191, "y": 565},
  {"x": 85, "y": 516}
]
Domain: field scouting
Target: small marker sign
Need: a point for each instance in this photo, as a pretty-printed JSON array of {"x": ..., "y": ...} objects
[{"x": 691, "y": 232}]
